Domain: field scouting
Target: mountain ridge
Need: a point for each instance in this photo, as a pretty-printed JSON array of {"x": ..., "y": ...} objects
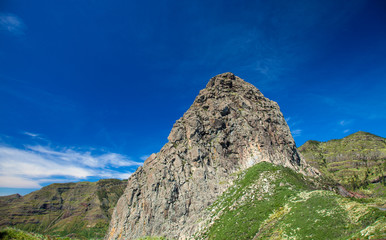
[
  {"x": 354, "y": 161},
  {"x": 352, "y": 135},
  {"x": 80, "y": 209}
]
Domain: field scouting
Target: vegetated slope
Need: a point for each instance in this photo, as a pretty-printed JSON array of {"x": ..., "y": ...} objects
[
  {"x": 17, "y": 234},
  {"x": 229, "y": 127},
  {"x": 354, "y": 161},
  {"x": 274, "y": 202},
  {"x": 81, "y": 210}
]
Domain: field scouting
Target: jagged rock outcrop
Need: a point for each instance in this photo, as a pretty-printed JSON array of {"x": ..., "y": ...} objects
[{"x": 230, "y": 127}]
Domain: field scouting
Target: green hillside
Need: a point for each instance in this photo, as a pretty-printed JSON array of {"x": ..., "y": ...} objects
[
  {"x": 273, "y": 202},
  {"x": 17, "y": 234},
  {"x": 354, "y": 161},
  {"x": 78, "y": 210}
]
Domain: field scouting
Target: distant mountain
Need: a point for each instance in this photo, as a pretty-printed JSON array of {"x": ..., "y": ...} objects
[
  {"x": 354, "y": 161},
  {"x": 81, "y": 210}
]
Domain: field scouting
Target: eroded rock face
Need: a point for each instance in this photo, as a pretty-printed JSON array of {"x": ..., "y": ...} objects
[{"x": 230, "y": 127}]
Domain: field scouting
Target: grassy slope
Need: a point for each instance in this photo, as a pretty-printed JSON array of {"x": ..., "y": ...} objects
[
  {"x": 273, "y": 202},
  {"x": 17, "y": 234},
  {"x": 353, "y": 161},
  {"x": 80, "y": 210}
]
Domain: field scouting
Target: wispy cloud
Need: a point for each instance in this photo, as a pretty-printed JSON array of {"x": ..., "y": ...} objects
[
  {"x": 12, "y": 24},
  {"x": 296, "y": 132},
  {"x": 31, "y": 166},
  {"x": 292, "y": 122},
  {"x": 33, "y": 135},
  {"x": 287, "y": 119},
  {"x": 344, "y": 122},
  {"x": 144, "y": 157},
  {"x": 18, "y": 182}
]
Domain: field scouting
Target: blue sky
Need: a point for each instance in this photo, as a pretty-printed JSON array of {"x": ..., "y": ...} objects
[{"x": 88, "y": 89}]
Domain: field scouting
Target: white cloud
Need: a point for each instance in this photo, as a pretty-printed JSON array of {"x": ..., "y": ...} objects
[
  {"x": 86, "y": 158},
  {"x": 287, "y": 119},
  {"x": 117, "y": 160},
  {"x": 144, "y": 157},
  {"x": 33, "y": 165},
  {"x": 109, "y": 174},
  {"x": 346, "y": 131},
  {"x": 18, "y": 182},
  {"x": 345, "y": 122},
  {"x": 296, "y": 132},
  {"x": 31, "y": 134},
  {"x": 293, "y": 122},
  {"x": 11, "y": 23}
]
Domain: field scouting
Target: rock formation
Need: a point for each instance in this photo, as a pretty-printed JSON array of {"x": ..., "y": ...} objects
[{"x": 230, "y": 127}]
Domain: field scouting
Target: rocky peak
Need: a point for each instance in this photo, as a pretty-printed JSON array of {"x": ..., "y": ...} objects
[
  {"x": 229, "y": 127},
  {"x": 222, "y": 81}
]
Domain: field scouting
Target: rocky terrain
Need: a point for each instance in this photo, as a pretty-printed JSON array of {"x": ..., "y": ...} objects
[
  {"x": 357, "y": 161},
  {"x": 231, "y": 170},
  {"x": 230, "y": 127},
  {"x": 80, "y": 210},
  {"x": 268, "y": 201}
]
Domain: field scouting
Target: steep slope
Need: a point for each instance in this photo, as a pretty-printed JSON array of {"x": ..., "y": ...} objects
[
  {"x": 17, "y": 234},
  {"x": 354, "y": 161},
  {"x": 274, "y": 202},
  {"x": 80, "y": 209},
  {"x": 230, "y": 126}
]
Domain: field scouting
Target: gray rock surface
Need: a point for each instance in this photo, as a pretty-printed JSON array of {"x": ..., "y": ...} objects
[{"x": 230, "y": 127}]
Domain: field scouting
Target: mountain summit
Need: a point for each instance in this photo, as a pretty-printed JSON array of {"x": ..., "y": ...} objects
[{"x": 230, "y": 127}]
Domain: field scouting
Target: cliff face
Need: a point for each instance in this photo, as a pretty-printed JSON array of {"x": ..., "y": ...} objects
[{"x": 230, "y": 127}]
